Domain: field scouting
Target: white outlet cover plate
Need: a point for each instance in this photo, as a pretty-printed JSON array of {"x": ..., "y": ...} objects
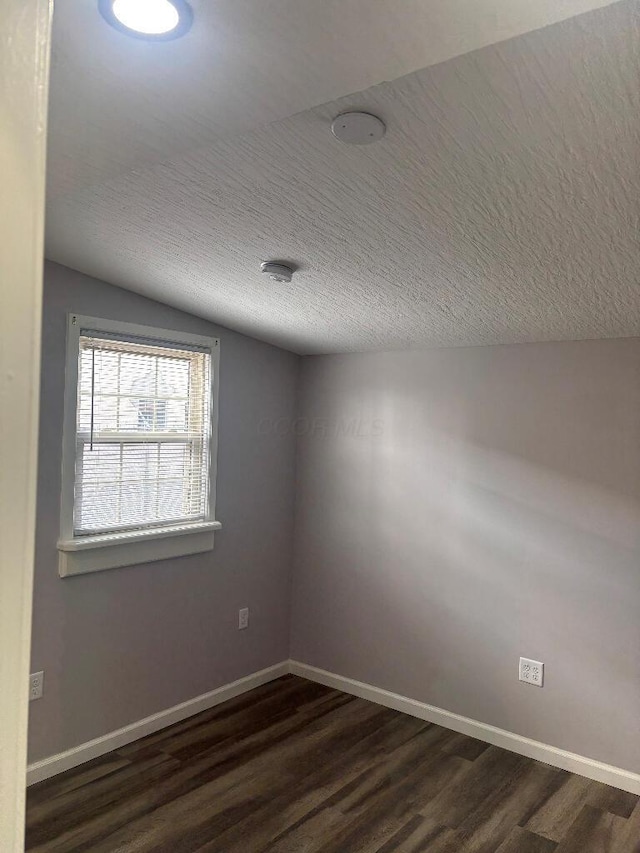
[
  {"x": 243, "y": 618},
  {"x": 531, "y": 672},
  {"x": 36, "y": 685}
]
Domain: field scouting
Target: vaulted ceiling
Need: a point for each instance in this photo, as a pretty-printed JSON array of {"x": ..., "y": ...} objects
[{"x": 501, "y": 206}]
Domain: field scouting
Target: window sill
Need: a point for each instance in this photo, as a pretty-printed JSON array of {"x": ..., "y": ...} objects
[{"x": 110, "y": 551}]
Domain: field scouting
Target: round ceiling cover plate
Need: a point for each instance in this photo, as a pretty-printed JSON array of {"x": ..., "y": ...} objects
[{"x": 358, "y": 128}]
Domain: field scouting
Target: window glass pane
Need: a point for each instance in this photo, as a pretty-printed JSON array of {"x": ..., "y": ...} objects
[
  {"x": 176, "y": 416},
  {"x": 171, "y": 498},
  {"x": 137, "y": 374},
  {"x": 97, "y": 505},
  {"x": 138, "y": 502},
  {"x": 128, "y": 414},
  {"x": 100, "y": 464},
  {"x": 175, "y": 460},
  {"x": 140, "y": 462},
  {"x": 105, "y": 414},
  {"x": 106, "y": 372},
  {"x": 143, "y": 435},
  {"x": 173, "y": 377}
]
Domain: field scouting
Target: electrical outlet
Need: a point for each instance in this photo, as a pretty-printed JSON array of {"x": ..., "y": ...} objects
[
  {"x": 531, "y": 672},
  {"x": 243, "y": 618},
  {"x": 36, "y": 685}
]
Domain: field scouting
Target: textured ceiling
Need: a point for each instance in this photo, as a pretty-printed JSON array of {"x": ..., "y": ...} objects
[
  {"x": 501, "y": 206},
  {"x": 119, "y": 103}
]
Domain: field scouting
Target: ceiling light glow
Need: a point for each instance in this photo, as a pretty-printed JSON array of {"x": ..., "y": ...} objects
[
  {"x": 154, "y": 20},
  {"x": 152, "y": 17}
]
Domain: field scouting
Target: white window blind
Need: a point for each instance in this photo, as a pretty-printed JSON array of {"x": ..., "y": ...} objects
[{"x": 143, "y": 430}]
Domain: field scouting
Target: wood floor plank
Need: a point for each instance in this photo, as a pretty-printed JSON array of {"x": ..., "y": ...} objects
[
  {"x": 98, "y": 795},
  {"x": 466, "y": 747},
  {"x": 388, "y": 796},
  {"x": 611, "y": 800},
  {"x": 236, "y": 717},
  {"x": 377, "y": 804},
  {"x": 296, "y": 767},
  {"x": 315, "y": 784},
  {"x": 496, "y": 816},
  {"x": 593, "y": 831},
  {"x": 628, "y": 840},
  {"x": 488, "y": 775},
  {"x": 521, "y": 840},
  {"x": 446, "y": 841},
  {"x": 417, "y": 836},
  {"x": 268, "y": 773},
  {"x": 75, "y": 778},
  {"x": 558, "y": 812}
]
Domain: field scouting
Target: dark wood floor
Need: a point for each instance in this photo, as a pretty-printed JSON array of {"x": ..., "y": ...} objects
[{"x": 294, "y": 767}]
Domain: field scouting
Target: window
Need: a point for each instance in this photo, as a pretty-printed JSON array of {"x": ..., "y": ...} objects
[{"x": 138, "y": 446}]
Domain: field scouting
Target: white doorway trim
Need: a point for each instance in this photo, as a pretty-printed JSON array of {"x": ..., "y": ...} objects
[{"x": 24, "y": 64}]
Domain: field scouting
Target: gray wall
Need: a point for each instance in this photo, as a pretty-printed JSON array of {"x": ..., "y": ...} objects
[
  {"x": 455, "y": 509},
  {"x": 119, "y": 645},
  {"x": 459, "y": 508}
]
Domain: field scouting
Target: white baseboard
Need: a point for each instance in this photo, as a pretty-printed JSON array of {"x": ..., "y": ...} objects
[
  {"x": 55, "y": 764},
  {"x": 624, "y": 779},
  {"x": 619, "y": 778}
]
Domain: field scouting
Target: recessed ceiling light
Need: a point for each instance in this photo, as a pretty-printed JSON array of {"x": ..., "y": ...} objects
[{"x": 153, "y": 20}]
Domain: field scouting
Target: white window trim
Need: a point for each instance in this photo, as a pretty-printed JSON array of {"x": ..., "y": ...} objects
[{"x": 81, "y": 554}]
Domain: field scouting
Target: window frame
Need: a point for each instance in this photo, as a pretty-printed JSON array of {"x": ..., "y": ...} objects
[{"x": 79, "y": 554}]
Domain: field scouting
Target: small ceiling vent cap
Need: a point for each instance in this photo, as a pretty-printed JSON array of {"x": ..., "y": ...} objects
[
  {"x": 277, "y": 271},
  {"x": 358, "y": 128}
]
